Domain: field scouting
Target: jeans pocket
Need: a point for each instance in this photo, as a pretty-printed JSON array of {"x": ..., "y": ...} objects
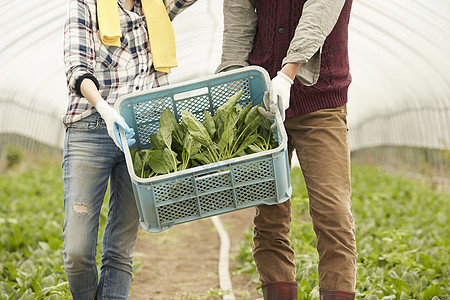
[{"x": 87, "y": 124}]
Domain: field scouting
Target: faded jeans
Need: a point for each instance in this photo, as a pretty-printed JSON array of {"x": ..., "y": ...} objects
[
  {"x": 91, "y": 158},
  {"x": 320, "y": 141}
]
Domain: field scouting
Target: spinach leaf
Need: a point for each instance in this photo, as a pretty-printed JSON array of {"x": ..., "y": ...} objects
[
  {"x": 164, "y": 136},
  {"x": 177, "y": 130},
  {"x": 138, "y": 164},
  {"x": 228, "y": 135},
  {"x": 166, "y": 128},
  {"x": 252, "y": 115},
  {"x": 196, "y": 128},
  {"x": 243, "y": 114},
  {"x": 234, "y": 131},
  {"x": 254, "y": 120},
  {"x": 202, "y": 158},
  {"x": 224, "y": 110},
  {"x": 209, "y": 124},
  {"x": 249, "y": 140},
  {"x": 190, "y": 148},
  {"x": 160, "y": 161},
  {"x": 254, "y": 148},
  {"x": 219, "y": 126},
  {"x": 156, "y": 142}
]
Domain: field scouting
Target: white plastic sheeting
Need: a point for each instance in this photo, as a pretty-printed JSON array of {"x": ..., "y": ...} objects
[
  {"x": 32, "y": 83},
  {"x": 398, "y": 53},
  {"x": 198, "y": 32},
  {"x": 400, "y": 65}
]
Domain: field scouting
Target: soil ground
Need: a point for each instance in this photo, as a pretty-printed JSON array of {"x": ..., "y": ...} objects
[{"x": 181, "y": 263}]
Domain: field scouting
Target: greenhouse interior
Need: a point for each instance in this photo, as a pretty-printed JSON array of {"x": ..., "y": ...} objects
[
  {"x": 398, "y": 127},
  {"x": 399, "y": 99},
  {"x": 398, "y": 110}
]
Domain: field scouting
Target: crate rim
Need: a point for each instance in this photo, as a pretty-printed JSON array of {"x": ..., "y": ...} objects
[
  {"x": 214, "y": 165},
  {"x": 193, "y": 81}
]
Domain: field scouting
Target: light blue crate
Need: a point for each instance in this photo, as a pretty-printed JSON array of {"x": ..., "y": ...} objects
[{"x": 213, "y": 189}]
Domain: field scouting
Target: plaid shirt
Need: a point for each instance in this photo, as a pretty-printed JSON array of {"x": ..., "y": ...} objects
[{"x": 117, "y": 71}]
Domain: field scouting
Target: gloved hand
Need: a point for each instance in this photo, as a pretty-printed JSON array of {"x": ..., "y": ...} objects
[
  {"x": 113, "y": 120},
  {"x": 279, "y": 96},
  {"x": 267, "y": 113}
]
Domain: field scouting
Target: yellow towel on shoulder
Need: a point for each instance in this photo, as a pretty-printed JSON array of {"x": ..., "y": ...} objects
[
  {"x": 160, "y": 30},
  {"x": 108, "y": 22},
  {"x": 161, "y": 35}
]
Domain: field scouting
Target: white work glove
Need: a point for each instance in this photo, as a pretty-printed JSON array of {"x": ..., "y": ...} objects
[
  {"x": 278, "y": 97},
  {"x": 113, "y": 120}
]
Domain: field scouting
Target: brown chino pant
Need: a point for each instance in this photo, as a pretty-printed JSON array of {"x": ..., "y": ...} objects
[{"x": 320, "y": 140}]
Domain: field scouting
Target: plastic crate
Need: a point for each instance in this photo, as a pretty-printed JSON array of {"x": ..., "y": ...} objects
[{"x": 213, "y": 189}]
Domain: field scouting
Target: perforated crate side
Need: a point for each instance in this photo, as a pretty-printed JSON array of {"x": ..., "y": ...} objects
[
  {"x": 214, "y": 181},
  {"x": 147, "y": 115},
  {"x": 255, "y": 170},
  {"x": 178, "y": 212},
  {"x": 257, "y": 192},
  {"x": 197, "y": 105},
  {"x": 169, "y": 190},
  {"x": 216, "y": 201},
  {"x": 221, "y": 92}
]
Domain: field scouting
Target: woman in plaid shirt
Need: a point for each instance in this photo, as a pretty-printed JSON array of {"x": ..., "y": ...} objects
[{"x": 97, "y": 75}]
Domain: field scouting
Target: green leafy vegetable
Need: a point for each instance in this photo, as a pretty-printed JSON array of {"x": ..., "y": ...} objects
[
  {"x": 232, "y": 132},
  {"x": 196, "y": 128},
  {"x": 209, "y": 124},
  {"x": 228, "y": 106}
]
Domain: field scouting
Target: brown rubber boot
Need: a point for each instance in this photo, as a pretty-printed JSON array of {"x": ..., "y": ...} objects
[
  {"x": 280, "y": 290},
  {"x": 336, "y": 295}
]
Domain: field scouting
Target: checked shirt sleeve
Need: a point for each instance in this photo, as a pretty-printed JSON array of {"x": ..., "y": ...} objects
[
  {"x": 175, "y": 7},
  {"x": 78, "y": 45}
]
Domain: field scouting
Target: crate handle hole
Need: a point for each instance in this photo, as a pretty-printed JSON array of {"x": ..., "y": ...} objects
[{"x": 191, "y": 94}]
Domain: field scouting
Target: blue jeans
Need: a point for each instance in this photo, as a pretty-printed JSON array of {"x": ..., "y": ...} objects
[{"x": 90, "y": 159}]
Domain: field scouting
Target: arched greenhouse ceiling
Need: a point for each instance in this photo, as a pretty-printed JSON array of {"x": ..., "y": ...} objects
[{"x": 399, "y": 53}]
